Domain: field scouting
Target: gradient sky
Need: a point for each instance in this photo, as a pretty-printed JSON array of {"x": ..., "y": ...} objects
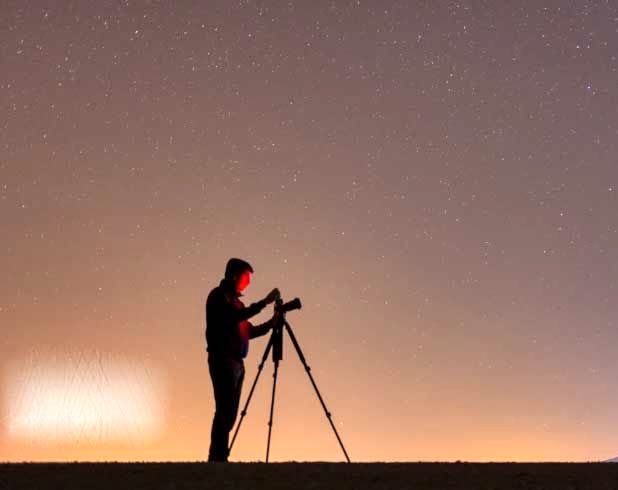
[{"x": 437, "y": 181}]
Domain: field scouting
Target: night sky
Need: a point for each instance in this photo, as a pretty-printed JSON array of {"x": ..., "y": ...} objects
[{"x": 437, "y": 181}]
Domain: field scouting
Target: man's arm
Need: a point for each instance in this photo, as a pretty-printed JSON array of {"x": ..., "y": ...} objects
[
  {"x": 259, "y": 330},
  {"x": 254, "y": 308},
  {"x": 223, "y": 308},
  {"x": 247, "y": 312}
]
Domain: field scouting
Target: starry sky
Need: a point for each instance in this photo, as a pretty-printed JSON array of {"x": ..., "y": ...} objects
[{"x": 437, "y": 181}]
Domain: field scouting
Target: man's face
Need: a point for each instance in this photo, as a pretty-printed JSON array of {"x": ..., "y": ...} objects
[{"x": 243, "y": 281}]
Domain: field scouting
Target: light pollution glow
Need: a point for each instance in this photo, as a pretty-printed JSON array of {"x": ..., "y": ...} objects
[{"x": 85, "y": 397}]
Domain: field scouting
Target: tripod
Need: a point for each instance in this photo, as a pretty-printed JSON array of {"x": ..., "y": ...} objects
[{"x": 276, "y": 343}]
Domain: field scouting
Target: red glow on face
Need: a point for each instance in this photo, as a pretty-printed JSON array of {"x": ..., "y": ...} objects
[{"x": 243, "y": 281}]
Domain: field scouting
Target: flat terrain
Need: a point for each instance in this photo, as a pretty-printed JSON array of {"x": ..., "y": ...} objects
[{"x": 340, "y": 476}]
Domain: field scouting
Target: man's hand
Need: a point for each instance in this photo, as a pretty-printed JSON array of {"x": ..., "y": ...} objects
[{"x": 272, "y": 296}]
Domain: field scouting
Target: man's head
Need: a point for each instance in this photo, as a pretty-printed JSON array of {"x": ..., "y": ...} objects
[{"x": 239, "y": 272}]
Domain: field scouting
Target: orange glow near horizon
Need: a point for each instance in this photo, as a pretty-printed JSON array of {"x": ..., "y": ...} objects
[
  {"x": 446, "y": 413},
  {"x": 297, "y": 434}
]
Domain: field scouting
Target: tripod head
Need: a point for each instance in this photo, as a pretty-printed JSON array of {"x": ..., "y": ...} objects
[{"x": 277, "y": 336}]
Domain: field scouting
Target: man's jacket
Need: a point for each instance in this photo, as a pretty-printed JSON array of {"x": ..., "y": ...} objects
[{"x": 227, "y": 327}]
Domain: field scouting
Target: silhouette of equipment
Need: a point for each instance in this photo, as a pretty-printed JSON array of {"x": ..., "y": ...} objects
[{"x": 276, "y": 343}]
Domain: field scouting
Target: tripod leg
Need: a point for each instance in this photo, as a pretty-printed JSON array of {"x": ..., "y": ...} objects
[
  {"x": 272, "y": 406},
  {"x": 308, "y": 369},
  {"x": 244, "y": 410}
]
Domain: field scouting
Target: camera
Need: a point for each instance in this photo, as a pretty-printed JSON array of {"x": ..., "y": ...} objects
[{"x": 282, "y": 307}]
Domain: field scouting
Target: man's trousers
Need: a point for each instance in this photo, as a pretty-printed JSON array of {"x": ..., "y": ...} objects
[{"x": 227, "y": 377}]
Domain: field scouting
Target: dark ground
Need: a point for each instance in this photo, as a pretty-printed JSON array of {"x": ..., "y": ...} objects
[{"x": 340, "y": 476}]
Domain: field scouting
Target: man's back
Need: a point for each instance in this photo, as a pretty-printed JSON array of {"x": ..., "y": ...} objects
[{"x": 220, "y": 329}]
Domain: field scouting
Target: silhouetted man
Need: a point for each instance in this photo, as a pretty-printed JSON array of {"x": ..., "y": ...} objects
[{"x": 227, "y": 336}]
